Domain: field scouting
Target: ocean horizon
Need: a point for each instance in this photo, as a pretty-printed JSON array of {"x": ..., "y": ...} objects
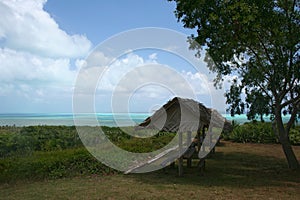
[{"x": 98, "y": 119}]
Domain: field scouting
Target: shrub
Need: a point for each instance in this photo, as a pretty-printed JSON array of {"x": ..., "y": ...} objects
[
  {"x": 55, "y": 164},
  {"x": 295, "y": 136},
  {"x": 144, "y": 145},
  {"x": 258, "y": 132},
  {"x": 37, "y": 138}
]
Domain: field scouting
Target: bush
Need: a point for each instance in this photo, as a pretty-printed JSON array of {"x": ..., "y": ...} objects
[
  {"x": 258, "y": 132},
  {"x": 295, "y": 136},
  {"x": 144, "y": 145},
  {"x": 37, "y": 138},
  {"x": 55, "y": 164},
  {"x": 42, "y": 152}
]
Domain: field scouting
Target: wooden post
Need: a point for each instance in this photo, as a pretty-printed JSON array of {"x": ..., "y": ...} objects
[
  {"x": 172, "y": 165},
  {"x": 180, "y": 166},
  {"x": 180, "y": 159},
  {"x": 212, "y": 150},
  {"x": 189, "y": 139},
  {"x": 199, "y": 142}
]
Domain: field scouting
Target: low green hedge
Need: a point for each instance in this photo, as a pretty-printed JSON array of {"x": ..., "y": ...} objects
[
  {"x": 55, "y": 164},
  {"x": 258, "y": 132}
]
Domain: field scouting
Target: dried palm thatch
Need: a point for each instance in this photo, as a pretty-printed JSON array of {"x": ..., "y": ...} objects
[{"x": 183, "y": 115}]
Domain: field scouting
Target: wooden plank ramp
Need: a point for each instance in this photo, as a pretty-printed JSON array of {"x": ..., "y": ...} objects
[{"x": 168, "y": 153}]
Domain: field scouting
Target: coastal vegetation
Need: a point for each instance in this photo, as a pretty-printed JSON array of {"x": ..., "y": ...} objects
[
  {"x": 43, "y": 152},
  {"x": 68, "y": 170},
  {"x": 259, "y": 132}
]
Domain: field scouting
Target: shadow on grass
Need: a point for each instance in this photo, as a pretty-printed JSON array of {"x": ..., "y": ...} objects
[{"x": 232, "y": 169}]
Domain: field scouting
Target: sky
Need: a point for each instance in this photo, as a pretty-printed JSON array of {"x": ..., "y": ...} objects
[{"x": 44, "y": 46}]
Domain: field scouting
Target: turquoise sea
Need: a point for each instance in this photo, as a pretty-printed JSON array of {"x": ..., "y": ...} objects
[{"x": 103, "y": 119}]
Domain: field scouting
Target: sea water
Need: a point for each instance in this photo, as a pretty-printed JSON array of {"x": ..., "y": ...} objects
[
  {"x": 102, "y": 119},
  {"x": 67, "y": 119}
]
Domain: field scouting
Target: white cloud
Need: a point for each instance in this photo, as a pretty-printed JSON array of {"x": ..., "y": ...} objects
[
  {"x": 144, "y": 81},
  {"x": 25, "y": 67},
  {"x": 153, "y": 56},
  {"x": 34, "y": 77},
  {"x": 97, "y": 59},
  {"x": 199, "y": 82},
  {"x": 79, "y": 63},
  {"x": 25, "y": 26},
  {"x": 36, "y": 57},
  {"x": 150, "y": 79}
]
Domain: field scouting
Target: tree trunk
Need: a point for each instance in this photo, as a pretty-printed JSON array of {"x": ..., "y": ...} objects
[
  {"x": 286, "y": 145},
  {"x": 289, "y": 153},
  {"x": 262, "y": 118}
]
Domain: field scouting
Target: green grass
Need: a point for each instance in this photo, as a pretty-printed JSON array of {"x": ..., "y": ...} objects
[
  {"x": 235, "y": 171},
  {"x": 51, "y": 165},
  {"x": 25, "y": 153}
]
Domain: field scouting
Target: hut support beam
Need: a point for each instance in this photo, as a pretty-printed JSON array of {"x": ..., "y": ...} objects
[
  {"x": 189, "y": 139},
  {"x": 180, "y": 160}
]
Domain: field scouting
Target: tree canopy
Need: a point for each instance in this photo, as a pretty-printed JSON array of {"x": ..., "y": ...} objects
[{"x": 258, "y": 42}]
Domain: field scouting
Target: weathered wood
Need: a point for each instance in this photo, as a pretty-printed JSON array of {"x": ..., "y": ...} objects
[
  {"x": 170, "y": 159},
  {"x": 180, "y": 166},
  {"x": 172, "y": 165},
  {"x": 164, "y": 153},
  {"x": 189, "y": 137},
  {"x": 180, "y": 142},
  {"x": 189, "y": 162},
  {"x": 201, "y": 166},
  {"x": 189, "y": 152},
  {"x": 170, "y": 155},
  {"x": 180, "y": 160},
  {"x": 199, "y": 141}
]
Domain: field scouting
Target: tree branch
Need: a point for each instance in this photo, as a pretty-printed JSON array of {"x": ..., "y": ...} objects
[
  {"x": 295, "y": 100},
  {"x": 259, "y": 60},
  {"x": 266, "y": 51},
  {"x": 289, "y": 89},
  {"x": 264, "y": 90},
  {"x": 294, "y": 6}
]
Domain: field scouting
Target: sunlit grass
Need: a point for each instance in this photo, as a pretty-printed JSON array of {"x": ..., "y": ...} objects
[{"x": 235, "y": 171}]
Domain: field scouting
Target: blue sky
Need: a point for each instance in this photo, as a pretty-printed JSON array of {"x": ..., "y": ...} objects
[
  {"x": 99, "y": 20},
  {"x": 43, "y": 46}
]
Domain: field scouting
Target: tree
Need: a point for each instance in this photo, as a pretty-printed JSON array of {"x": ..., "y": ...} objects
[{"x": 257, "y": 41}]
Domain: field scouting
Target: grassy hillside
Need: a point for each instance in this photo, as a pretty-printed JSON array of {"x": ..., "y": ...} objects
[
  {"x": 50, "y": 152},
  {"x": 235, "y": 171}
]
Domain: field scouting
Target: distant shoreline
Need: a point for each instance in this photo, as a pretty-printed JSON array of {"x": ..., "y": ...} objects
[{"x": 104, "y": 119}]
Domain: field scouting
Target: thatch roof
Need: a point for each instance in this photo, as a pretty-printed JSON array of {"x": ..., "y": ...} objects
[{"x": 181, "y": 114}]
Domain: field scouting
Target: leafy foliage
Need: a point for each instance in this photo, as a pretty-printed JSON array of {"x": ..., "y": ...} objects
[
  {"x": 26, "y": 140},
  {"x": 54, "y": 164},
  {"x": 143, "y": 145},
  {"x": 41, "y": 152},
  {"x": 258, "y": 42},
  {"x": 257, "y": 132}
]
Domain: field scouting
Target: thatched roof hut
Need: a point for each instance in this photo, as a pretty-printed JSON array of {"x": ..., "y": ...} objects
[{"x": 183, "y": 115}]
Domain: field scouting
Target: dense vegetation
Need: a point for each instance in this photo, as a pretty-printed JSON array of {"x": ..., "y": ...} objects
[
  {"x": 39, "y": 152},
  {"x": 235, "y": 171},
  {"x": 16, "y": 141},
  {"x": 26, "y": 140},
  {"x": 258, "y": 132},
  {"x": 42, "y": 152}
]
